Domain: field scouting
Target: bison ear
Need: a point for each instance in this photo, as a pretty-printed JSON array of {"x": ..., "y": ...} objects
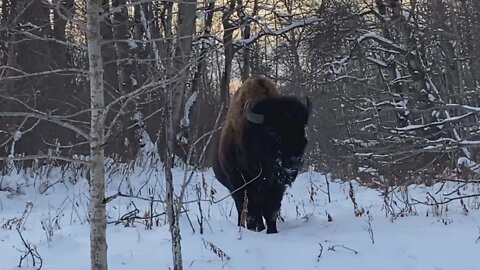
[{"x": 256, "y": 118}]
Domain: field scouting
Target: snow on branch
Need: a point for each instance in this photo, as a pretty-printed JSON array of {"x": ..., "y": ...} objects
[
  {"x": 270, "y": 32},
  {"x": 369, "y": 35},
  {"x": 377, "y": 61},
  {"x": 24, "y": 75},
  {"x": 438, "y": 123},
  {"x": 49, "y": 118},
  {"x": 468, "y": 163},
  {"x": 185, "y": 122},
  {"x": 466, "y": 107},
  {"x": 401, "y": 106},
  {"x": 47, "y": 157},
  {"x": 451, "y": 141},
  {"x": 337, "y": 65}
]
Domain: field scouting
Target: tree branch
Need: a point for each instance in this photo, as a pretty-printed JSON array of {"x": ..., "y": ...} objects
[{"x": 49, "y": 118}]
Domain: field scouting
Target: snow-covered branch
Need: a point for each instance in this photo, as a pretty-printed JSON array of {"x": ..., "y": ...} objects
[
  {"x": 25, "y": 75},
  {"x": 48, "y": 157},
  {"x": 432, "y": 124},
  {"x": 50, "y": 118},
  {"x": 272, "y": 32},
  {"x": 369, "y": 35}
]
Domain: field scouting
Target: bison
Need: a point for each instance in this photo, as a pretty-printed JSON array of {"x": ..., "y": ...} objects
[{"x": 260, "y": 150}]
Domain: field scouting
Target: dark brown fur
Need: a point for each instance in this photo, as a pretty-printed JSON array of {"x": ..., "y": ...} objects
[
  {"x": 247, "y": 158},
  {"x": 254, "y": 90}
]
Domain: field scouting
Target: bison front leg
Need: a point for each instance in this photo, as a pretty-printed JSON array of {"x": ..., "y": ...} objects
[
  {"x": 271, "y": 208},
  {"x": 238, "y": 197},
  {"x": 255, "y": 220},
  {"x": 254, "y": 208},
  {"x": 249, "y": 210}
]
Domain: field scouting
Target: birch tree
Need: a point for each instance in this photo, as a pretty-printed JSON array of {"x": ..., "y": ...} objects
[
  {"x": 175, "y": 102},
  {"x": 97, "y": 213}
]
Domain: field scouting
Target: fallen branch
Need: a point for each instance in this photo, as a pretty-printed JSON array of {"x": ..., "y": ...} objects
[{"x": 333, "y": 248}]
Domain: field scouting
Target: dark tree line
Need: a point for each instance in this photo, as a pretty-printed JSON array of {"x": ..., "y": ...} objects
[
  {"x": 399, "y": 83},
  {"x": 394, "y": 83},
  {"x": 145, "y": 52}
]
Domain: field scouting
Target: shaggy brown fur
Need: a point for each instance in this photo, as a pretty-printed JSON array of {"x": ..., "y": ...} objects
[
  {"x": 257, "y": 160},
  {"x": 253, "y": 90}
]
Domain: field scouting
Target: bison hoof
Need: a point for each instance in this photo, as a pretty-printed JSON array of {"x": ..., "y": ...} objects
[
  {"x": 269, "y": 231},
  {"x": 255, "y": 225},
  {"x": 252, "y": 225},
  {"x": 260, "y": 227}
]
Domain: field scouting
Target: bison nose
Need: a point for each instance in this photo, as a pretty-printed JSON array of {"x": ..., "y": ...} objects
[{"x": 296, "y": 162}]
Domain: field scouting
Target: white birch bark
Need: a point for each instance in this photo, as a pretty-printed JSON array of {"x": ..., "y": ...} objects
[
  {"x": 172, "y": 214},
  {"x": 181, "y": 61},
  {"x": 97, "y": 214}
]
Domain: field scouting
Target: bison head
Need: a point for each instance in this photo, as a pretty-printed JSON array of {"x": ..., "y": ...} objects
[{"x": 277, "y": 132}]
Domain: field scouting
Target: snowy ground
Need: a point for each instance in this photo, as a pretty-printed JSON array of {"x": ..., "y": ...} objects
[{"x": 424, "y": 237}]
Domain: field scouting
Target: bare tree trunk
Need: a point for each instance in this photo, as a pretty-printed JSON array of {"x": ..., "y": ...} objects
[
  {"x": 472, "y": 11},
  {"x": 120, "y": 32},
  {"x": 207, "y": 31},
  {"x": 228, "y": 29},
  {"x": 182, "y": 57},
  {"x": 394, "y": 85},
  {"x": 172, "y": 215},
  {"x": 245, "y": 20},
  {"x": 4, "y": 18},
  {"x": 108, "y": 49},
  {"x": 126, "y": 142},
  {"x": 10, "y": 17},
  {"x": 181, "y": 61},
  {"x": 98, "y": 244}
]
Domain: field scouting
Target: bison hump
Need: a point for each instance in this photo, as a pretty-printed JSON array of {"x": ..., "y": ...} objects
[{"x": 252, "y": 90}]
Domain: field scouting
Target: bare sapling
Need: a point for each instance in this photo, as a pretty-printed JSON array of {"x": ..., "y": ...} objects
[{"x": 30, "y": 251}]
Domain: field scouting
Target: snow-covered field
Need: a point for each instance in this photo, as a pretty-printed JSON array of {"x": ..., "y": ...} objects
[{"x": 423, "y": 237}]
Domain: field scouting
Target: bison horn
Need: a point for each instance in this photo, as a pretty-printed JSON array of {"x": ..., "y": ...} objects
[{"x": 255, "y": 118}]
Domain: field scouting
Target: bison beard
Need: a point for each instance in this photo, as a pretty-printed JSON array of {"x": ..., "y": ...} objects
[{"x": 260, "y": 150}]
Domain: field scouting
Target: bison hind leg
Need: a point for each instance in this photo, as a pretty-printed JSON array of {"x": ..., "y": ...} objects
[
  {"x": 255, "y": 223},
  {"x": 271, "y": 219},
  {"x": 260, "y": 224}
]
